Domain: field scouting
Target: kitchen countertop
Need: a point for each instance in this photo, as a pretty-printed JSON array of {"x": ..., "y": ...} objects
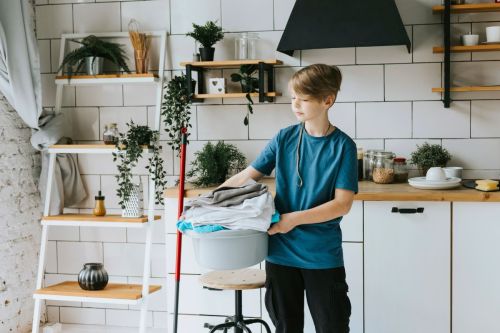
[{"x": 370, "y": 191}]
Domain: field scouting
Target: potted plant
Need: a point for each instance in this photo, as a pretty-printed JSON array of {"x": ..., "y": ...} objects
[
  {"x": 176, "y": 109},
  {"x": 130, "y": 146},
  {"x": 249, "y": 84},
  {"x": 207, "y": 35},
  {"x": 91, "y": 54},
  {"x": 214, "y": 163},
  {"x": 427, "y": 156}
]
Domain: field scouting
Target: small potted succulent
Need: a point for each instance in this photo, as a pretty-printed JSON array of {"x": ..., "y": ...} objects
[
  {"x": 92, "y": 54},
  {"x": 249, "y": 84},
  {"x": 214, "y": 163},
  {"x": 207, "y": 35},
  {"x": 130, "y": 147},
  {"x": 176, "y": 109},
  {"x": 427, "y": 156}
]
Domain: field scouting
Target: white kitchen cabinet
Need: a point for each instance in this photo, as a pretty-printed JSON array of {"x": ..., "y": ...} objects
[
  {"x": 476, "y": 267},
  {"x": 407, "y": 268},
  {"x": 352, "y": 223}
]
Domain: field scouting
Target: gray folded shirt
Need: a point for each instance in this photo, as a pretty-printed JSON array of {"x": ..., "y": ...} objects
[{"x": 228, "y": 196}]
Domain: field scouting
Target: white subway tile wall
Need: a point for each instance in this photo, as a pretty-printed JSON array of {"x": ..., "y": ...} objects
[{"x": 385, "y": 103}]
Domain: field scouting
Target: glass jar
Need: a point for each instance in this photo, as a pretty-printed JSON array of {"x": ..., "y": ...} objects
[
  {"x": 400, "y": 170},
  {"x": 111, "y": 134},
  {"x": 245, "y": 46},
  {"x": 360, "y": 164},
  {"x": 383, "y": 167},
  {"x": 368, "y": 162}
]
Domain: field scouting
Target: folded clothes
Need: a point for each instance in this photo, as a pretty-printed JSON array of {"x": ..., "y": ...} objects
[
  {"x": 228, "y": 196},
  {"x": 183, "y": 225}
]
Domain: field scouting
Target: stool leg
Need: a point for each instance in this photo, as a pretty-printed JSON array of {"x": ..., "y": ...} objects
[
  {"x": 224, "y": 326},
  {"x": 238, "y": 317},
  {"x": 259, "y": 321},
  {"x": 242, "y": 326}
]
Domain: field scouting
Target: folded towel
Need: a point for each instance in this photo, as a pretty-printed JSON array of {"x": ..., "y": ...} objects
[{"x": 183, "y": 225}]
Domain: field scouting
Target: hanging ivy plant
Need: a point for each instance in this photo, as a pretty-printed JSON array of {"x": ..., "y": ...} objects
[
  {"x": 249, "y": 84},
  {"x": 130, "y": 146},
  {"x": 176, "y": 109}
]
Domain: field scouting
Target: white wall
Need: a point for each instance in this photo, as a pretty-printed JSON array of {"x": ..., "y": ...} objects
[{"x": 385, "y": 102}]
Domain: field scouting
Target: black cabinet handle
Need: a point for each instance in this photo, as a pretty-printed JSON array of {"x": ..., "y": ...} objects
[{"x": 407, "y": 210}]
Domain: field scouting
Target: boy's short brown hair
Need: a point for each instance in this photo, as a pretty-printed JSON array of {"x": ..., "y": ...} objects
[{"x": 317, "y": 81}]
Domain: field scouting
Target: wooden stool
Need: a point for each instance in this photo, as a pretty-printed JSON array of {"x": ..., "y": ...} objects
[{"x": 235, "y": 280}]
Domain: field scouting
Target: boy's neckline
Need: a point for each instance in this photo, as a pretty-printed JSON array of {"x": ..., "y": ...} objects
[{"x": 332, "y": 131}]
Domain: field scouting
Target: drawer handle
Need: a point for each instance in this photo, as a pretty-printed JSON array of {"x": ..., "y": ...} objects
[{"x": 407, "y": 210}]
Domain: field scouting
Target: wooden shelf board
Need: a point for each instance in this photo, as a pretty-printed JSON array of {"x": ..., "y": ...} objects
[
  {"x": 235, "y": 95},
  {"x": 231, "y": 63},
  {"x": 468, "y": 89},
  {"x": 112, "y": 291},
  {"x": 474, "y": 48},
  {"x": 87, "y": 149},
  {"x": 470, "y": 8},
  {"x": 106, "y": 79},
  {"x": 90, "y": 217}
]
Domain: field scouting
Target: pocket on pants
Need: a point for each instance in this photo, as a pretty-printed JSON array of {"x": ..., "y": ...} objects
[
  {"x": 270, "y": 304},
  {"x": 341, "y": 305}
]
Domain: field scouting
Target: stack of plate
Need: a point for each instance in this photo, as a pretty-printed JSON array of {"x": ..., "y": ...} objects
[{"x": 423, "y": 183}]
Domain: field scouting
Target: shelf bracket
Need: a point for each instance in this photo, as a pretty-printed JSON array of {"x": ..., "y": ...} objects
[
  {"x": 199, "y": 85},
  {"x": 447, "y": 53},
  {"x": 263, "y": 68}
]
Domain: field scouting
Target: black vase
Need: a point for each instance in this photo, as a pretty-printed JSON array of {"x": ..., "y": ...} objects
[
  {"x": 207, "y": 53},
  {"x": 93, "y": 276}
]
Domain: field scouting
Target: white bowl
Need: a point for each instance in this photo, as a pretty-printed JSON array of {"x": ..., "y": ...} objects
[
  {"x": 435, "y": 174},
  {"x": 469, "y": 40},
  {"x": 453, "y": 172}
]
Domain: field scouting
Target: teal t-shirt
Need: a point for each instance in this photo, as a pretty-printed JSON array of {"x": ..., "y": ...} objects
[{"x": 326, "y": 163}]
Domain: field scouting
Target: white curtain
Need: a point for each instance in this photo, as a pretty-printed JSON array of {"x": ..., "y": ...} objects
[{"x": 20, "y": 80}]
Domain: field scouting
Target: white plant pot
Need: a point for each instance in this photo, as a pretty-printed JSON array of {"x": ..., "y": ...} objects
[{"x": 135, "y": 203}]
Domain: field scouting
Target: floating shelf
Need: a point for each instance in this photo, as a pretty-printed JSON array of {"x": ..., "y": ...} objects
[
  {"x": 87, "y": 149},
  {"x": 468, "y": 89},
  {"x": 230, "y": 63},
  {"x": 117, "y": 293},
  {"x": 235, "y": 95},
  {"x": 470, "y": 8},
  {"x": 107, "y": 79},
  {"x": 473, "y": 48},
  {"x": 89, "y": 220}
]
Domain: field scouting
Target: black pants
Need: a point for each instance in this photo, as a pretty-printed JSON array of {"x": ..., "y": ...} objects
[{"x": 326, "y": 293}]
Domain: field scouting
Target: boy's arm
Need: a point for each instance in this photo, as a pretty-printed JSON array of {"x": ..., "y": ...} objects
[
  {"x": 242, "y": 177},
  {"x": 337, "y": 207}
]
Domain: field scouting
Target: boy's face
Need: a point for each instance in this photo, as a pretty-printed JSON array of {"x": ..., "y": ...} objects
[{"x": 308, "y": 108}]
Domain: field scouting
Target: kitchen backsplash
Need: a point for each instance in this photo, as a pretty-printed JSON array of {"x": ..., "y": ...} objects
[{"x": 385, "y": 102}]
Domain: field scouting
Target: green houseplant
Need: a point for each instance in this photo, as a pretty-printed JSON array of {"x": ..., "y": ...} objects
[
  {"x": 207, "y": 35},
  {"x": 214, "y": 162},
  {"x": 92, "y": 50},
  {"x": 427, "y": 156},
  {"x": 176, "y": 109},
  {"x": 130, "y": 146},
  {"x": 249, "y": 84}
]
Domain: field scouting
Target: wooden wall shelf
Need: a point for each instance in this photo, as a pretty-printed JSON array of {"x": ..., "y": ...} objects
[
  {"x": 474, "y": 48},
  {"x": 235, "y": 95},
  {"x": 106, "y": 79},
  {"x": 470, "y": 8},
  {"x": 230, "y": 63},
  {"x": 468, "y": 89}
]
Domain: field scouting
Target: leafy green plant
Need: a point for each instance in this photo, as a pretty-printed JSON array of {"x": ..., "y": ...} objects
[
  {"x": 214, "y": 162},
  {"x": 208, "y": 34},
  {"x": 92, "y": 46},
  {"x": 427, "y": 156},
  {"x": 130, "y": 146},
  {"x": 176, "y": 110},
  {"x": 249, "y": 84}
]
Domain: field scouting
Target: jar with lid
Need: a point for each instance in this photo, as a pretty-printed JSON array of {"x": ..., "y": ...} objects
[
  {"x": 400, "y": 170},
  {"x": 111, "y": 134},
  {"x": 245, "y": 46},
  {"x": 360, "y": 163},
  {"x": 383, "y": 167},
  {"x": 369, "y": 162}
]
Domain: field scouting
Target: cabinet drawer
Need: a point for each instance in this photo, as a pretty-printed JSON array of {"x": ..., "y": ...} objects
[
  {"x": 194, "y": 299},
  {"x": 352, "y": 223}
]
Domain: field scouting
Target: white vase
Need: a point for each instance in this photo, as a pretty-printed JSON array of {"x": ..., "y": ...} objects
[{"x": 135, "y": 203}]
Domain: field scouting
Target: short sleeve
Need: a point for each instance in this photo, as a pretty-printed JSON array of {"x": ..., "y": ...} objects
[
  {"x": 348, "y": 172},
  {"x": 266, "y": 161}
]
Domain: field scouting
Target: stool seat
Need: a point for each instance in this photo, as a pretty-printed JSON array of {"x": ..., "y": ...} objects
[{"x": 240, "y": 279}]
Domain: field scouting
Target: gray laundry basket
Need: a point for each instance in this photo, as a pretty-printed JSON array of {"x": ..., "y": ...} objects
[{"x": 229, "y": 249}]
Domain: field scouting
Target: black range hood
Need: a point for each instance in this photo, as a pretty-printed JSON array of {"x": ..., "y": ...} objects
[{"x": 320, "y": 24}]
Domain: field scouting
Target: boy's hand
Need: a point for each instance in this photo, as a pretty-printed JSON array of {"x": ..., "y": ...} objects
[{"x": 285, "y": 224}]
